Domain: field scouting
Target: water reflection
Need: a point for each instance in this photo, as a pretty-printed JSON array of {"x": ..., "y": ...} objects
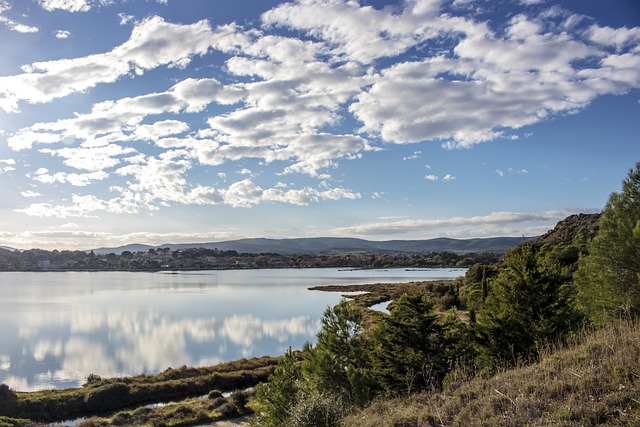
[
  {"x": 58, "y": 328},
  {"x": 116, "y": 343}
]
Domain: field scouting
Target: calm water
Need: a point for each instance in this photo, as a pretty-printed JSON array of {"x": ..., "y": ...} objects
[{"x": 57, "y": 327}]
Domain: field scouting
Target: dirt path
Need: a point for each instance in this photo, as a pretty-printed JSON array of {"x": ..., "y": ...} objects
[{"x": 238, "y": 422}]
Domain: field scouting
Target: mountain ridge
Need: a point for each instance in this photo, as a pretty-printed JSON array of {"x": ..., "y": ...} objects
[{"x": 337, "y": 245}]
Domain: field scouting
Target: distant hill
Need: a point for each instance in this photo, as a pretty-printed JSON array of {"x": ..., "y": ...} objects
[
  {"x": 7, "y": 248},
  {"x": 337, "y": 246}
]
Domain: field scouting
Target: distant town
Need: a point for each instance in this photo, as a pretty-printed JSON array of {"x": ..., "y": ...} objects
[{"x": 213, "y": 259}]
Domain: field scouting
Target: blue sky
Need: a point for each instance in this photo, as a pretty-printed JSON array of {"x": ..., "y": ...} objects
[{"x": 170, "y": 121}]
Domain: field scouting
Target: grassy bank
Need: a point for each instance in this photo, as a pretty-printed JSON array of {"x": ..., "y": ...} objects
[
  {"x": 593, "y": 381},
  {"x": 107, "y": 396}
]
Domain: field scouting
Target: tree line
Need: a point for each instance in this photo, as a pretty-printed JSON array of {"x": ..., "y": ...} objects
[{"x": 211, "y": 259}]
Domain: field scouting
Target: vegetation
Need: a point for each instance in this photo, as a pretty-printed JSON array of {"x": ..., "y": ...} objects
[
  {"x": 548, "y": 336},
  {"x": 210, "y": 259},
  {"x": 594, "y": 380},
  {"x": 608, "y": 278},
  {"x": 104, "y": 395},
  {"x": 460, "y": 362}
]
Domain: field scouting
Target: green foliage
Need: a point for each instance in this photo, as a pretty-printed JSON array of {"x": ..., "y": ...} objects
[
  {"x": 590, "y": 381},
  {"x": 457, "y": 340},
  {"x": 608, "y": 279},
  {"x": 339, "y": 364},
  {"x": 408, "y": 354},
  {"x": 276, "y": 397},
  {"x": 107, "y": 397},
  {"x": 528, "y": 306},
  {"x": 240, "y": 399},
  {"x": 7, "y": 393},
  {"x": 476, "y": 285}
]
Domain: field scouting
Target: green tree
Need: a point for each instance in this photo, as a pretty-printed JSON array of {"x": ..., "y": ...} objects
[
  {"x": 408, "y": 353},
  {"x": 340, "y": 363},
  {"x": 608, "y": 278},
  {"x": 527, "y": 307},
  {"x": 276, "y": 397}
]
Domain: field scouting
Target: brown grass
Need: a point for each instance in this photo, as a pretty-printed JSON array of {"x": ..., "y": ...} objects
[{"x": 594, "y": 381}]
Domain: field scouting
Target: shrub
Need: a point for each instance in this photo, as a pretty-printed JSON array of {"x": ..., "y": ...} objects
[
  {"x": 7, "y": 393},
  {"x": 215, "y": 394},
  {"x": 228, "y": 410},
  {"x": 107, "y": 397},
  {"x": 92, "y": 379},
  {"x": 240, "y": 399},
  {"x": 317, "y": 411}
]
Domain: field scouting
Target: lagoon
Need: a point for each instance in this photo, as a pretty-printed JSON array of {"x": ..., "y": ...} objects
[{"x": 59, "y": 327}]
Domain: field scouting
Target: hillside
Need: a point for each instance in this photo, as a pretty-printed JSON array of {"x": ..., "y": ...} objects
[
  {"x": 338, "y": 246},
  {"x": 593, "y": 382},
  {"x": 568, "y": 228}
]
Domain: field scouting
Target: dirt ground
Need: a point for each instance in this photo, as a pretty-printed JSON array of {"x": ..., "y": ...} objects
[{"x": 238, "y": 422}]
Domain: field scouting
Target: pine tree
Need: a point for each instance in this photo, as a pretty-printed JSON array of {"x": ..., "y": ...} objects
[
  {"x": 276, "y": 397},
  {"x": 340, "y": 364},
  {"x": 527, "y": 307},
  {"x": 408, "y": 354},
  {"x": 608, "y": 279}
]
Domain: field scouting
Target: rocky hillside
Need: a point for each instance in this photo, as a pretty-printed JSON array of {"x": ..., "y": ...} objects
[{"x": 568, "y": 228}]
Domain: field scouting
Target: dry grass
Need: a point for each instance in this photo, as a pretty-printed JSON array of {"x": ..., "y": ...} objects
[{"x": 594, "y": 381}]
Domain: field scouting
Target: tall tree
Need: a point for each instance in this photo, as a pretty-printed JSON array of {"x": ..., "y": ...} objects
[
  {"x": 339, "y": 364},
  {"x": 608, "y": 279},
  {"x": 276, "y": 397},
  {"x": 408, "y": 353},
  {"x": 528, "y": 305}
]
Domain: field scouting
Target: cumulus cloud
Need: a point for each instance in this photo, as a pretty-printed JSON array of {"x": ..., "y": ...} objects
[
  {"x": 418, "y": 71},
  {"x": 492, "y": 224},
  {"x": 153, "y": 42},
  {"x": 66, "y": 5}
]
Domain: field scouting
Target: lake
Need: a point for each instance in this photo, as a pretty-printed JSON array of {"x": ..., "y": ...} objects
[{"x": 59, "y": 327}]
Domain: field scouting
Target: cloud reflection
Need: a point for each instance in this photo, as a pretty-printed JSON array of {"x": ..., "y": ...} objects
[{"x": 120, "y": 342}]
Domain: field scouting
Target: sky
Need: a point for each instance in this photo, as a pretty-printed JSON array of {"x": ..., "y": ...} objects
[{"x": 186, "y": 121}]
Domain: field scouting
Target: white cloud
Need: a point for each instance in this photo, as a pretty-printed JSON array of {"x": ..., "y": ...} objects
[
  {"x": 78, "y": 180},
  {"x": 7, "y": 165},
  {"x": 126, "y": 19},
  {"x": 283, "y": 100},
  {"x": 492, "y": 224},
  {"x": 66, "y": 5},
  {"x": 153, "y": 42},
  {"x": 414, "y": 156},
  {"x": 63, "y": 34},
  {"x": 30, "y": 194},
  {"x": 12, "y": 25}
]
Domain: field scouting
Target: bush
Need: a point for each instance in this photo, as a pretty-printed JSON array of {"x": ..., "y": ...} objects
[
  {"x": 228, "y": 410},
  {"x": 7, "y": 393},
  {"x": 240, "y": 399},
  {"x": 318, "y": 411},
  {"x": 215, "y": 394},
  {"x": 107, "y": 397}
]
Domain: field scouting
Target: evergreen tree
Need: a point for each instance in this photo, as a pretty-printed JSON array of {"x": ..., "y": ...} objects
[
  {"x": 340, "y": 364},
  {"x": 408, "y": 354},
  {"x": 527, "y": 307},
  {"x": 276, "y": 397},
  {"x": 608, "y": 279}
]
